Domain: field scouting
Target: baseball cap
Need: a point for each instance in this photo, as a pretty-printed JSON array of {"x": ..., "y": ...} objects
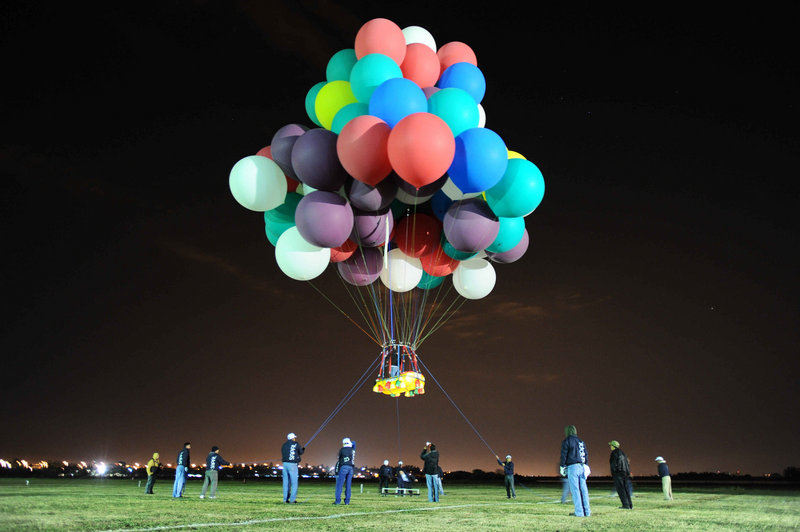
[
  {"x": 291, "y": 436},
  {"x": 614, "y": 443}
]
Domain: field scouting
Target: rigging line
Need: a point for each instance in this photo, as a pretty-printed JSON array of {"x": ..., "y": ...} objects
[
  {"x": 373, "y": 338},
  {"x": 444, "y": 318},
  {"x": 349, "y": 395},
  {"x": 427, "y": 369},
  {"x": 435, "y": 305},
  {"x": 399, "y": 448},
  {"x": 364, "y": 315},
  {"x": 363, "y": 308}
]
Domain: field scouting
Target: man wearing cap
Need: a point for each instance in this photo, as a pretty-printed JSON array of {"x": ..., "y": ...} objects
[
  {"x": 290, "y": 455},
  {"x": 213, "y": 462},
  {"x": 508, "y": 471},
  {"x": 574, "y": 460},
  {"x": 620, "y": 472},
  {"x": 666, "y": 480},
  {"x": 430, "y": 457},
  {"x": 385, "y": 475},
  {"x": 345, "y": 464}
]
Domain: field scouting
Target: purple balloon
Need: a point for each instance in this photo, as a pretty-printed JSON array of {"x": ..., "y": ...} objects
[
  {"x": 369, "y": 198},
  {"x": 316, "y": 162},
  {"x": 512, "y": 254},
  {"x": 281, "y": 147},
  {"x": 324, "y": 219},
  {"x": 363, "y": 267},
  {"x": 470, "y": 225},
  {"x": 369, "y": 228}
]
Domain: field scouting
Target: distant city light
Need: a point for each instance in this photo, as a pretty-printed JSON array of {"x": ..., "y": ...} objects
[{"x": 101, "y": 469}]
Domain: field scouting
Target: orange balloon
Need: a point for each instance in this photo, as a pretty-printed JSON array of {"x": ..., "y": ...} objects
[
  {"x": 455, "y": 52},
  {"x": 421, "y": 148},
  {"x": 362, "y": 149},
  {"x": 421, "y": 65},
  {"x": 438, "y": 263},
  {"x": 381, "y": 36},
  {"x": 343, "y": 252}
]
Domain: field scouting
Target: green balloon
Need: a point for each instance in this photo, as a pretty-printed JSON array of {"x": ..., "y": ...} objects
[
  {"x": 285, "y": 211},
  {"x": 340, "y": 65},
  {"x": 452, "y": 252},
  {"x": 429, "y": 281},
  {"x": 369, "y": 72},
  {"x": 346, "y": 114},
  {"x": 311, "y": 98},
  {"x": 509, "y": 235},
  {"x": 456, "y": 107},
  {"x": 274, "y": 230}
]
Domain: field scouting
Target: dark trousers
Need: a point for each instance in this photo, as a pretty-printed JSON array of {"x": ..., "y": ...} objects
[
  {"x": 151, "y": 479},
  {"x": 623, "y": 490},
  {"x": 384, "y": 484}
]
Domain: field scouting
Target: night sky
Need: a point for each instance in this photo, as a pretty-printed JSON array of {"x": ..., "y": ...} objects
[{"x": 657, "y": 303}]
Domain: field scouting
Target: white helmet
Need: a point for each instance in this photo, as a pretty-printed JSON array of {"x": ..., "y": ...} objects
[{"x": 347, "y": 443}]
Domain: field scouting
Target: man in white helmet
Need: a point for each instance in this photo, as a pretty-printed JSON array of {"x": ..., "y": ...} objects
[
  {"x": 385, "y": 475},
  {"x": 290, "y": 455},
  {"x": 345, "y": 465}
]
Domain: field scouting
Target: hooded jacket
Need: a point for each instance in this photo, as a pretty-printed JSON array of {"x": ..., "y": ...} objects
[
  {"x": 153, "y": 464},
  {"x": 431, "y": 459}
]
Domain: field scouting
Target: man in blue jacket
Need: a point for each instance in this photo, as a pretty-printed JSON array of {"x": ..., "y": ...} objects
[
  {"x": 574, "y": 460},
  {"x": 181, "y": 470},
  {"x": 290, "y": 455},
  {"x": 508, "y": 471},
  {"x": 666, "y": 480},
  {"x": 213, "y": 463}
]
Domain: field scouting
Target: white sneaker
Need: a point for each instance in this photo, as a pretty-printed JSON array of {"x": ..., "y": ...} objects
[{"x": 202, "y": 496}]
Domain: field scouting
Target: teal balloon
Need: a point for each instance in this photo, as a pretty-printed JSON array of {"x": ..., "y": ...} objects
[
  {"x": 509, "y": 235},
  {"x": 346, "y": 114},
  {"x": 275, "y": 229},
  {"x": 369, "y": 72},
  {"x": 453, "y": 253},
  {"x": 456, "y": 107},
  {"x": 311, "y": 97},
  {"x": 285, "y": 211},
  {"x": 340, "y": 65},
  {"x": 519, "y": 192},
  {"x": 428, "y": 281}
]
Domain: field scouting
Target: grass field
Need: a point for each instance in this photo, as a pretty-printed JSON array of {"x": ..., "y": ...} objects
[{"x": 122, "y": 505}]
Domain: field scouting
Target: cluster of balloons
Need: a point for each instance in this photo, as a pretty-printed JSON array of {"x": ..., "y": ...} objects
[{"x": 400, "y": 180}]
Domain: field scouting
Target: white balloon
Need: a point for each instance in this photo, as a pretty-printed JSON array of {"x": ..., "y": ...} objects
[
  {"x": 298, "y": 259},
  {"x": 454, "y": 193},
  {"x": 415, "y": 34},
  {"x": 481, "y": 116},
  {"x": 257, "y": 183},
  {"x": 401, "y": 272},
  {"x": 474, "y": 278}
]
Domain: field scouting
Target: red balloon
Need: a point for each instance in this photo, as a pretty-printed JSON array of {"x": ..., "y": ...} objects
[
  {"x": 291, "y": 184},
  {"x": 421, "y": 148},
  {"x": 438, "y": 263},
  {"x": 362, "y": 149},
  {"x": 418, "y": 235},
  {"x": 421, "y": 65},
  {"x": 343, "y": 252},
  {"x": 455, "y": 52},
  {"x": 381, "y": 36}
]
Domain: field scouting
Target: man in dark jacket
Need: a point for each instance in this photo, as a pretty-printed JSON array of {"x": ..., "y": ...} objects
[
  {"x": 403, "y": 478},
  {"x": 290, "y": 455},
  {"x": 385, "y": 475},
  {"x": 666, "y": 480},
  {"x": 345, "y": 465},
  {"x": 430, "y": 456},
  {"x": 574, "y": 460},
  {"x": 213, "y": 463},
  {"x": 508, "y": 472},
  {"x": 621, "y": 473},
  {"x": 181, "y": 470}
]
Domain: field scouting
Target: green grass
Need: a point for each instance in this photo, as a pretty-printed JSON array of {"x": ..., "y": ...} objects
[{"x": 121, "y": 504}]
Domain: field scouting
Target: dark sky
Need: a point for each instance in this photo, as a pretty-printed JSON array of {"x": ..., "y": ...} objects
[{"x": 657, "y": 303}]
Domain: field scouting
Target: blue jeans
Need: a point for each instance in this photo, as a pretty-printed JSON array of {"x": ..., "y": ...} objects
[
  {"x": 433, "y": 487},
  {"x": 289, "y": 481},
  {"x": 564, "y": 489},
  {"x": 344, "y": 479},
  {"x": 180, "y": 481},
  {"x": 577, "y": 488}
]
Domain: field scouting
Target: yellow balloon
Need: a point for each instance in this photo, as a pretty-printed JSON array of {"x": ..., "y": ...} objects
[
  {"x": 331, "y": 98},
  {"x": 515, "y": 155}
]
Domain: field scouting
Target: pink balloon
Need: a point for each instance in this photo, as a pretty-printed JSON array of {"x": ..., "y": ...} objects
[
  {"x": 362, "y": 149},
  {"x": 381, "y": 36},
  {"x": 455, "y": 52},
  {"x": 421, "y": 148},
  {"x": 421, "y": 65}
]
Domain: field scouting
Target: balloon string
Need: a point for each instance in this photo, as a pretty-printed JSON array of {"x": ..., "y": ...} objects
[
  {"x": 427, "y": 369},
  {"x": 349, "y": 395},
  {"x": 374, "y": 339}
]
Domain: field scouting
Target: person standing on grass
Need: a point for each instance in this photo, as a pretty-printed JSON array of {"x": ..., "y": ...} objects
[
  {"x": 290, "y": 455},
  {"x": 345, "y": 464},
  {"x": 666, "y": 480},
  {"x": 213, "y": 463},
  {"x": 153, "y": 465},
  {"x": 574, "y": 460},
  {"x": 621, "y": 473},
  {"x": 508, "y": 472},
  {"x": 385, "y": 476},
  {"x": 403, "y": 478},
  {"x": 430, "y": 456},
  {"x": 181, "y": 471}
]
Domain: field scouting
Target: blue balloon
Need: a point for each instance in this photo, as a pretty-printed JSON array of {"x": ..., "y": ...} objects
[
  {"x": 510, "y": 234},
  {"x": 440, "y": 202},
  {"x": 397, "y": 98},
  {"x": 480, "y": 160},
  {"x": 465, "y": 76}
]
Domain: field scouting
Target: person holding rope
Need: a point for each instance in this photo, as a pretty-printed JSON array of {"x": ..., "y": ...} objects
[
  {"x": 290, "y": 455},
  {"x": 508, "y": 471},
  {"x": 430, "y": 456}
]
